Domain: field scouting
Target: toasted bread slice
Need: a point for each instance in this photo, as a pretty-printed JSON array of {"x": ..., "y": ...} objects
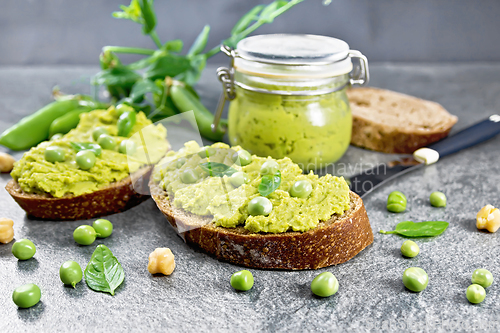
[
  {"x": 114, "y": 198},
  {"x": 332, "y": 242},
  {"x": 392, "y": 122}
]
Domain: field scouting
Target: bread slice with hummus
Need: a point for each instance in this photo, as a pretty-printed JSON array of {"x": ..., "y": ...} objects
[
  {"x": 328, "y": 227},
  {"x": 392, "y": 122},
  {"x": 116, "y": 182}
]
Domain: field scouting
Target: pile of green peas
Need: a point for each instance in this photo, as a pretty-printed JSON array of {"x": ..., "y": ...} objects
[
  {"x": 481, "y": 279},
  {"x": 86, "y": 234},
  {"x": 396, "y": 201}
]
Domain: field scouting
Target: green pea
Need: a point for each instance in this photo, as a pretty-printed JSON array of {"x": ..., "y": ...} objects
[
  {"x": 180, "y": 162},
  {"x": 239, "y": 178},
  {"x": 85, "y": 159},
  {"x": 269, "y": 167},
  {"x": 242, "y": 280},
  {"x": 70, "y": 273},
  {"x": 54, "y": 154},
  {"x": 27, "y": 295},
  {"x": 96, "y": 133},
  {"x": 23, "y": 249},
  {"x": 410, "y": 249},
  {"x": 438, "y": 199},
  {"x": 482, "y": 277},
  {"x": 207, "y": 152},
  {"x": 475, "y": 293},
  {"x": 396, "y": 202},
  {"x": 301, "y": 189},
  {"x": 127, "y": 147},
  {"x": 56, "y": 136},
  {"x": 260, "y": 206},
  {"x": 415, "y": 279},
  {"x": 84, "y": 235},
  {"x": 242, "y": 158},
  {"x": 103, "y": 228},
  {"x": 106, "y": 142},
  {"x": 189, "y": 176},
  {"x": 325, "y": 285}
]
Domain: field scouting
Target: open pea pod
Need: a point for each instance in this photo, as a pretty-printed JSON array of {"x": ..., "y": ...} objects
[{"x": 420, "y": 229}]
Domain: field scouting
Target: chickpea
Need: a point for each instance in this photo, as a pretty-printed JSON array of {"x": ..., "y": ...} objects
[
  {"x": 161, "y": 260},
  {"x": 6, "y": 162},
  {"x": 6, "y": 230},
  {"x": 488, "y": 218}
]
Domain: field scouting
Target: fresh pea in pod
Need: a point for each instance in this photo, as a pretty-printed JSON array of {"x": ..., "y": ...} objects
[
  {"x": 482, "y": 277},
  {"x": 396, "y": 202},
  {"x": 70, "y": 273},
  {"x": 98, "y": 131},
  {"x": 84, "y": 235},
  {"x": 242, "y": 158},
  {"x": 23, "y": 249},
  {"x": 410, "y": 249},
  {"x": 103, "y": 228},
  {"x": 127, "y": 147},
  {"x": 438, "y": 199},
  {"x": 126, "y": 122},
  {"x": 475, "y": 293},
  {"x": 189, "y": 176},
  {"x": 325, "y": 285},
  {"x": 56, "y": 136},
  {"x": 301, "y": 189},
  {"x": 415, "y": 279},
  {"x": 260, "y": 206},
  {"x": 85, "y": 159},
  {"x": 242, "y": 280},
  {"x": 106, "y": 142},
  {"x": 54, "y": 154},
  {"x": 269, "y": 167},
  {"x": 27, "y": 295},
  {"x": 239, "y": 178}
]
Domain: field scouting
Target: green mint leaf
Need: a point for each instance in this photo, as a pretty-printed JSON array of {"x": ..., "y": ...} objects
[
  {"x": 269, "y": 184},
  {"x": 215, "y": 169},
  {"x": 104, "y": 272},
  {"x": 93, "y": 147},
  {"x": 420, "y": 229}
]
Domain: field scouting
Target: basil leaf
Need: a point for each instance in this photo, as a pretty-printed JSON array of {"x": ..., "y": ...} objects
[
  {"x": 269, "y": 184},
  {"x": 93, "y": 147},
  {"x": 104, "y": 272},
  {"x": 421, "y": 229},
  {"x": 215, "y": 169}
]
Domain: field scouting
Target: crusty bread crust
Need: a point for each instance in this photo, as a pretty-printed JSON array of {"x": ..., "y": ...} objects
[
  {"x": 114, "y": 198},
  {"x": 333, "y": 242},
  {"x": 392, "y": 122}
]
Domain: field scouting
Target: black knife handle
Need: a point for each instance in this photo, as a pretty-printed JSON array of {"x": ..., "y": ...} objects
[{"x": 468, "y": 137}]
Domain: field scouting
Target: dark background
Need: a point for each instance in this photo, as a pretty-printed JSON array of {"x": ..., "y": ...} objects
[{"x": 49, "y": 32}]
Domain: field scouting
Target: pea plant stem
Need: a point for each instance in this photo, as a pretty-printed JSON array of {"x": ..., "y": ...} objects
[
  {"x": 155, "y": 38},
  {"x": 124, "y": 49}
]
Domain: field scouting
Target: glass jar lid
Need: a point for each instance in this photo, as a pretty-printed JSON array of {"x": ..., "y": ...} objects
[{"x": 293, "y": 55}]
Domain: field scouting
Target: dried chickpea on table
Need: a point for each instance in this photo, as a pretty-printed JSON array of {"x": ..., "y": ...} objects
[
  {"x": 6, "y": 162},
  {"x": 162, "y": 261},
  {"x": 488, "y": 218},
  {"x": 6, "y": 230}
]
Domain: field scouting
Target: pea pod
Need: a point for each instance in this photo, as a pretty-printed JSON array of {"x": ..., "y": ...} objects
[
  {"x": 185, "y": 101},
  {"x": 67, "y": 122},
  {"x": 33, "y": 129},
  {"x": 148, "y": 14},
  {"x": 126, "y": 122}
]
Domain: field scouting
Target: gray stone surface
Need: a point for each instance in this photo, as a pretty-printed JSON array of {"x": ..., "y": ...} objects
[{"x": 198, "y": 297}]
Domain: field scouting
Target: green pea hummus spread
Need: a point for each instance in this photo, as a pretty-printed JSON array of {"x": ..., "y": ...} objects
[
  {"x": 216, "y": 196},
  {"x": 36, "y": 175},
  {"x": 311, "y": 130}
]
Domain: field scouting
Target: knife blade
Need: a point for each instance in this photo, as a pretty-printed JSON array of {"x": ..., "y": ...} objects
[{"x": 368, "y": 180}]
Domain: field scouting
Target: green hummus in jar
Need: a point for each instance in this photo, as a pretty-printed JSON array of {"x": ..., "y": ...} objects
[{"x": 311, "y": 130}]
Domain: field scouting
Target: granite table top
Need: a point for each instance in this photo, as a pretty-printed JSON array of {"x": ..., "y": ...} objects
[{"x": 198, "y": 296}]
